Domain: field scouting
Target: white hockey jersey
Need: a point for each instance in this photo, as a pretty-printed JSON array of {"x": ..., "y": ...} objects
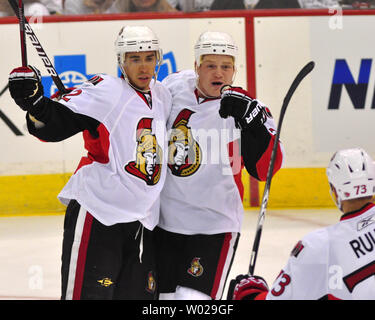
[
  {"x": 200, "y": 194},
  {"x": 336, "y": 262},
  {"x": 121, "y": 178}
]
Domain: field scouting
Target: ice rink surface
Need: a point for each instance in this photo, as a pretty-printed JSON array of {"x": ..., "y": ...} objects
[{"x": 30, "y": 249}]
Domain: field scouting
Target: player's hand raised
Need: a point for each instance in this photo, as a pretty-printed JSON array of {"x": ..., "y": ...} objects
[
  {"x": 25, "y": 87},
  {"x": 246, "y": 287},
  {"x": 237, "y": 103}
]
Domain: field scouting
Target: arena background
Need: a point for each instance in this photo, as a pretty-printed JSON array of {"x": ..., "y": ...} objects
[{"x": 332, "y": 109}]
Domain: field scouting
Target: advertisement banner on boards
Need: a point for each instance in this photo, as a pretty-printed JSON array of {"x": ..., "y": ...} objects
[
  {"x": 343, "y": 91},
  {"x": 334, "y": 107}
]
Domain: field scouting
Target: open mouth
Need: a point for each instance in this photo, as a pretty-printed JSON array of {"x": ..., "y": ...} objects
[
  {"x": 217, "y": 83},
  {"x": 144, "y": 78}
]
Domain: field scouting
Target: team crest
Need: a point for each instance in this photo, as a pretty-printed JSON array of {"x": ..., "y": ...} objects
[
  {"x": 105, "y": 282},
  {"x": 147, "y": 165},
  {"x": 196, "y": 269},
  {"x": 184, "y": 153},
  {"x": 151, "y": 283}
]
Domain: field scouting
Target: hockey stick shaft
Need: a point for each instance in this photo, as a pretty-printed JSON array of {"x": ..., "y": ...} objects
[
  {"x": 7, "y": 121},
  {"x": 4, "y": 89},
  {"x": 41, "y": 53},
  {"x": 300, "y": 76},
  {"x": 21, "y": 18},
  {"x": 10, "y": 124}
]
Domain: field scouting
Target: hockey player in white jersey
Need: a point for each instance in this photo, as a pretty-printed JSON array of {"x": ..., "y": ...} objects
[
  {"x": 336, "y": 262},
  {"x": 113, "y": 197},
  {"x": 213, "y": 135}
]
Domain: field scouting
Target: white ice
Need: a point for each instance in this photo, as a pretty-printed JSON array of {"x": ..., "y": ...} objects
[{"x": 30, "y": 249}]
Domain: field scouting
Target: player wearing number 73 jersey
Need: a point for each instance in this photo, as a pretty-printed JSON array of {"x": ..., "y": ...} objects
[{"x": 336, "y": 262}]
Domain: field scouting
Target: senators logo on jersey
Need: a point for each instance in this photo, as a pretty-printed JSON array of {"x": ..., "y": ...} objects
[
  {"x": 151, "y": 283},
  {"x": 147, "y": 165},
  {"x": 196, "y": 269},
  {"x": 184, "y": 153}
]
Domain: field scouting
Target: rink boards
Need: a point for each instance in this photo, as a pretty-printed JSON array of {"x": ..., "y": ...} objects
[{"x": 332, "y": 109}]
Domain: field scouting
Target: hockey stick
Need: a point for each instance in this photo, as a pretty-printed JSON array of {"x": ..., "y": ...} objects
[
  {"x": 4, "y": 89},
  {"x": 38, "y": 47},
  {"x": 6, "y": 120},
  {"x": 21, "y": 18},
  {"x": 301, "y": 75},
  {"x": 10, "y": 124}
]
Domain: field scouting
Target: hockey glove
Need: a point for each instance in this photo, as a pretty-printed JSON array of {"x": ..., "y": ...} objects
[
  {"x": 246, "y": 287},
  {"x": 25, "y": 87},
  {"x": 247, "y": 112}
]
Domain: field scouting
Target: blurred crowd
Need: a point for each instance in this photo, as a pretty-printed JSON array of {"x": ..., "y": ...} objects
[{"x": 71, "y": 7}]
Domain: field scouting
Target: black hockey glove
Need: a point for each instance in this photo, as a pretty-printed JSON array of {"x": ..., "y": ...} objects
[
  {"x": 248, "y": 113},
  {"x": 25, "y": 87},
  {"x": 246, "y": 287}
]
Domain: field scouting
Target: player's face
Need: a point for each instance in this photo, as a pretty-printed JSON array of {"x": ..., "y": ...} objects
[
  {"x": 140, "y": 67},
  {"x": 214, "y": 72}
]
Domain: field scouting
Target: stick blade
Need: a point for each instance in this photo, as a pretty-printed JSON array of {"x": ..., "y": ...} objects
[{"x": 302, "y": 74}]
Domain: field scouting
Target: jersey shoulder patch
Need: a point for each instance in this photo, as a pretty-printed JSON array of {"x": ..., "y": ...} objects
[
  {"x": 102, "y": 78},
  {"x": 297, "y": 249},
  {"x": 95, "y": 80}
]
